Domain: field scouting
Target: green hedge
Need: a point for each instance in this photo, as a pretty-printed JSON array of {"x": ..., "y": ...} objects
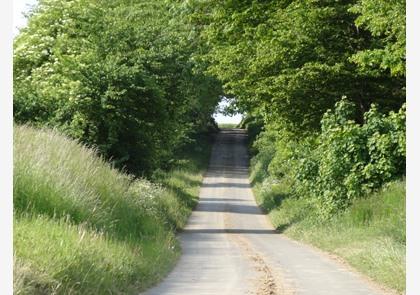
[{"x": 346, "y": 160}]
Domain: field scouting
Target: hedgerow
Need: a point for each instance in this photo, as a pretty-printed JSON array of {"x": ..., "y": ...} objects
[{"x": 345, "y": 161}]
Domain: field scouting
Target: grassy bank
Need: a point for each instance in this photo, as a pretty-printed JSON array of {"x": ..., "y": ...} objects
[
  {"x": 82, "y": 227},
  {"x": 369, "y": 235}
]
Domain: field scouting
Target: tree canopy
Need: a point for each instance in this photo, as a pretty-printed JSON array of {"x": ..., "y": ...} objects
[
  {"x": 137, "y": 78},
  {"x": 117, "y": 75},
  {"x": 290, "y": 61}
]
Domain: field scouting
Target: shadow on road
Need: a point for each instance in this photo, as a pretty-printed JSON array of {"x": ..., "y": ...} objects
[
  {"x": 226, "y": 207},
  {"x": 226, "y": 184},
  {"x": 230, "y": 231}
]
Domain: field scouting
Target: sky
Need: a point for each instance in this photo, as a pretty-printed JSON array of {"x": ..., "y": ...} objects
[
  {"x": 222, "y": 119},
  {"x": 19, "y": 21},
  {"x": 19, "y": 7}
]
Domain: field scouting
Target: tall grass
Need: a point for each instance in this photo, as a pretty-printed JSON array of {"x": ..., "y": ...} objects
[{"x": 83, "y": 227}]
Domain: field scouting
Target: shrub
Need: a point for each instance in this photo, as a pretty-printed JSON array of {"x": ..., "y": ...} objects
[
  {"x": 265, "y": 150},
  {"x": 355, "y": 159},
  {"x": 345, "y": 161}
]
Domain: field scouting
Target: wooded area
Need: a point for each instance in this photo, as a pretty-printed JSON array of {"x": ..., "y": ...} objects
[
  {"x": 137, "y": 78},
  {"x": 321, "y": 84},
  {"x": 118, "y": 75},
  {"x": 320, "y": 78}
]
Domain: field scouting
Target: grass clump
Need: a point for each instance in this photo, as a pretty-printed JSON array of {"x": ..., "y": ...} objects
[
  {"x": 83, "y": 227},
  {"x": 369, "y": 234}
]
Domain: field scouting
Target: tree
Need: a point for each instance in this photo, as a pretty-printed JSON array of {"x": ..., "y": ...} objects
[
  {"x": 116, "y": 75},
  {"x": 290, "y": 61},
  {"x": 386, "y": 22}
]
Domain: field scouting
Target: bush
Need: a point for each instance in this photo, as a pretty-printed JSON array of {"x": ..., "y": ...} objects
[
  {"x": 345, "y": 161},
  {"x": 254, "y": 125},
  {"x": 355, "y": 159},
  {"x": 265, "y": 150}
]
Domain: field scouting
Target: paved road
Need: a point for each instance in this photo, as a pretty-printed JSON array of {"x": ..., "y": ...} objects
[{"x": 229, "y": 247}]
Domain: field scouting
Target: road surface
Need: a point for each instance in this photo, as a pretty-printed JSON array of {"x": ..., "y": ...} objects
[{"x": 229, "y": 247}]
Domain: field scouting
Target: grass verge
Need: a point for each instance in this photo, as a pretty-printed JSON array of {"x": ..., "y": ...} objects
[
  {"x": 83, "y": 227},
  {"x": 369, "y": 235}
]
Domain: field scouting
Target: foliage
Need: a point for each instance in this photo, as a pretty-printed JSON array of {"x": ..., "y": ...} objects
[
  {"x": 386, "y": 20},
  {"x": 138, "y": 80},
  {"x": 116, "y": 75},
  {"x": 254, "y": 126},
  {"x": 344, "y": 162},
  {"x": 354, "y": 160},
  {"x": 83, "y": 227},
  {"x": 264, "y": 153},
  {"x": 291, "y": 61}
]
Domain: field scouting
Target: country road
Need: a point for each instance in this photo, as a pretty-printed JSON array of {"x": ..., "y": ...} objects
[{"x": 229, "y": 246}]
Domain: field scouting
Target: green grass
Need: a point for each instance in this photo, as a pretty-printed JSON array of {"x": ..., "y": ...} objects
[
  {"x": 83, "y": 227},
  {"x": 369, "y": 235},
  {"x": 227, "y": 125}
]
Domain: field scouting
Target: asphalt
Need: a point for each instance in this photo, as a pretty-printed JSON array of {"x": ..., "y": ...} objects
[{"x": 230, "y": 247}]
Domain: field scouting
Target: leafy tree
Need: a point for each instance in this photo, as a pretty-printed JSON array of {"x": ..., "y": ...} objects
[
  {"x": 117, "y": 75},
  {"x": 386, "y": 21},
  {"x": 290, "y": 61}
]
